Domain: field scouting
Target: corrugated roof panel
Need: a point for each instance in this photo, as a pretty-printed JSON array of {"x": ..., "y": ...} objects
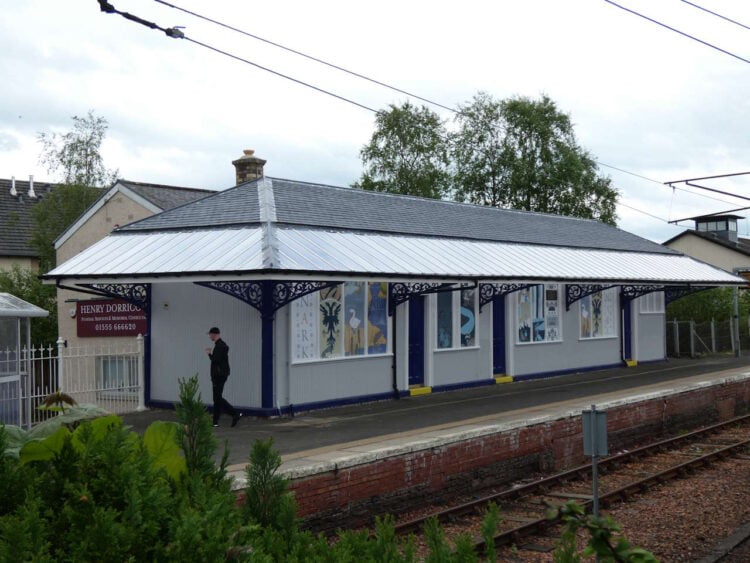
[
  {"x": 12, "y": 306},
  {"x": 326, "y": 252},
  {"x": 347, "y": 252},
  {"x": 169, "y": 252}
]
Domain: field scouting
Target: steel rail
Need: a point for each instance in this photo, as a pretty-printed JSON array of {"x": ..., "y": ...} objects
[
  {"x": 575, "y": 474},
  {"x": 622, "y": 494}
]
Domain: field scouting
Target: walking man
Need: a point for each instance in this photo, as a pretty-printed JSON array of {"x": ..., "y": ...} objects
[{"x": 219, "y": 373}]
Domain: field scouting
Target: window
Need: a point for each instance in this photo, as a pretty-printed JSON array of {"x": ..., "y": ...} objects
[
  {"x": 538, "y": 314},
  {"x": 733, "y": 225},
  {"x": 597, "y": 314},
  {"x": 456, "y": 319},
  {"x": 346, "y": 320},
  {"x": 652, "y": 302},
  {"x": 703, "y": 226},
  {"x": 117, "y": 374}
]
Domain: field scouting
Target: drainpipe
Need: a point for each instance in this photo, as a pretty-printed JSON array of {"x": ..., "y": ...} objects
[{"x": 394, "y": 345}]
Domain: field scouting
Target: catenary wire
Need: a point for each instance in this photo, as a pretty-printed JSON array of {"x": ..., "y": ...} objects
[
  {"x": 305, "y": 55},
  {"x": 176, "y": 33},
  {"x": 657, "y": 22},
  {"x": 715, "y": 14}
]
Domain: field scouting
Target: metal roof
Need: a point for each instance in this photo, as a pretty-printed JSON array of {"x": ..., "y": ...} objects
[
  {"x": 12, "y": 306},
  {"x": 316, "y": 205},
  {"x": 309, "y": 253}
]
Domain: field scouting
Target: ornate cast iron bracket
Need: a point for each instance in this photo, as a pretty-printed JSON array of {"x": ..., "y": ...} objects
[
  {"x": 138, "y": 294},
  {"x": 630, "y": 292},
  {"x": 575, "y": 292},
  {"x": 490, "y": 291},
  {"x": 400, "y": 292},
  {"x": 267, "y": 296}
]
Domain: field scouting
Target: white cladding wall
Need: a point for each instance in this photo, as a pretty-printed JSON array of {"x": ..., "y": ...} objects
[
  {"x": 182, "y": 313},
  {"x": 649, "y": 338},
  {"x": 570, "y": 353},
  {"x": 326, "y": 380},
  {"x": 456, "y": 366}
]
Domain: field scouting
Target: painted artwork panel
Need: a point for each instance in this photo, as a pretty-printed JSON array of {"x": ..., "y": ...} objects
[
  {"x": 445, "y": 319},
  {"x": 523, "y": 313},
  {"x": 354, "y": 318},
  {"x": 597, "y": 326},
  {"x": 377, "y": 318},
  {"x": 584, "y": 308},
  {"x": 305, "y": 322},
  {"x": 609, "y": 308},
  {"x": 331, "y": 320},
  {"x": 552, "y": 312},
  {"x": 468, "y": 318},
  {"x": 538, "y": 325}
]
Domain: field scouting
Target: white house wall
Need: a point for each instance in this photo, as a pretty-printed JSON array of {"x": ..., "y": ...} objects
[{"x": 182, "y": 313}]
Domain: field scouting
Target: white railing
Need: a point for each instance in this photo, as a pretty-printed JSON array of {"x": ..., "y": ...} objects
[{"x": 107, "y": 375}]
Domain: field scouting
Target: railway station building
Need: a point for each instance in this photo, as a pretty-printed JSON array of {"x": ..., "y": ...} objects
[{"x": 329, "y": 295}]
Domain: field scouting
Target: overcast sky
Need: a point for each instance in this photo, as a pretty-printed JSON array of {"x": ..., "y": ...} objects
[{"x": 642, "y": 98}]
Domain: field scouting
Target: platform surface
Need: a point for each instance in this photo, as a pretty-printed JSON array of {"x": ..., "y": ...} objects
[{"x": 334, "y": 438}]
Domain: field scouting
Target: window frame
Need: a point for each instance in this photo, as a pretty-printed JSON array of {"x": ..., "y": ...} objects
[
  {"x": 645, "y": 304},
  {"x": 342, "y": 348},
  {"x": 615, "y": 316},
  {"x": 561, "y": 336},
  {"x": 456, "y": 302}
]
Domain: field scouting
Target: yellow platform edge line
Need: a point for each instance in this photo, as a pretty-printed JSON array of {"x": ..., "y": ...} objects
[
  {"x": 503, "y": 379},
  {"x": 420, "y": 391},
  {"x": 631, "y": 363}
]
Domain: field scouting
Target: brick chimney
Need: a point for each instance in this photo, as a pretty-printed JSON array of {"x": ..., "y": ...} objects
[{"x": 248, "y": 167}]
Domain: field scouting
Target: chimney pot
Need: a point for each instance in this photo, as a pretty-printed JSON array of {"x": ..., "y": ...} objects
[
  {"x": 13, "y": 190},
  {"x": 31, "y": 193},
  {"x": 248, "y": 167}
]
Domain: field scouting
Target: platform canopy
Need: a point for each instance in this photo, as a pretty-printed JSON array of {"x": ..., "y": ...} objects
[
  {"x": 12, "y": 306},
  {"x": 279, "y": 229}
]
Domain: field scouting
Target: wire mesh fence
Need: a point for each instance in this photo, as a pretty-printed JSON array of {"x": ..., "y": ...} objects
[{"x": 692, "y": 339}]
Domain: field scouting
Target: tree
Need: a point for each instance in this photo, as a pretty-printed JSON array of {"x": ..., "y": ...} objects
[
  {"x": 523, "y": 154},
  {"x": 407, "y": 154},
  {"x": 76, "y": 154},
  {"x": 25, "y": 285},
  {"x": 703, "y": 306}
]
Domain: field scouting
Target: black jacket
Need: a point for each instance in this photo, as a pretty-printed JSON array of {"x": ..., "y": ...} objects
[{"x": 220, "y": 360}]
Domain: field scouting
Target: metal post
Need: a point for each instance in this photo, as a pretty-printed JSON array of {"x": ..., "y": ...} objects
[
  {"x": 141, "y": 371},
  {"x": 60, "y": 364},
  {"x": 692, "y": 338},
  {"x": 594, "y": 467},
  {"x": 736, "y": 323},
  {"x": 676, "y": 338},
  {"x": 731, "y": 336},
  {"x": 713, "y": 336}
]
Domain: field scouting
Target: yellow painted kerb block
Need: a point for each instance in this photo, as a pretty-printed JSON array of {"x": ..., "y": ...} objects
[
  {"x": 631, "y": 363},
  {"x": 420, "y": 391},
  {"x": 504, "y": 379}
]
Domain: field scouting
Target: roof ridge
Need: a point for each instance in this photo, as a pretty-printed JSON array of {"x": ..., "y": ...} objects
[
  {"x": 169, "y": 186},
  {"x": 491, "y": 208}
]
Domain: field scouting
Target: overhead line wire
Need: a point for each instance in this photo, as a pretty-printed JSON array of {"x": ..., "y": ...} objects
[
  {"x": 176, "y": 33},
  {"x": 716, "y": 14},
  {"x": 301, "y": 54},
  {"x": 657, "y": 22}
]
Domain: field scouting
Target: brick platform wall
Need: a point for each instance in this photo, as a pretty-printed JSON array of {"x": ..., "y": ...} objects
[{"x": 352, "y": 496}]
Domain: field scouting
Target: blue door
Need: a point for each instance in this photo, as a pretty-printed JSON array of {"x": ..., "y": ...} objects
[
  {"x": 627, "y": 330},
  {"x": 416, "y": 340},
  {"x": 498, "y": 336}
]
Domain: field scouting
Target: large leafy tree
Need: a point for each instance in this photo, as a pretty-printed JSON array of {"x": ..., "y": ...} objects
[
  {"x": 522, "y": 153},
  {"x": 407, "y": 154},
  {"x": 76, "y": 156}
]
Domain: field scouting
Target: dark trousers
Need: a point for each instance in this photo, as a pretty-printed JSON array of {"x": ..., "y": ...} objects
[{"x": 220, "y": 403}]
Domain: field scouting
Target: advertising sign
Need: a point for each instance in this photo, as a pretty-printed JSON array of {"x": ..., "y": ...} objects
[{"x": 109, "y": 317}]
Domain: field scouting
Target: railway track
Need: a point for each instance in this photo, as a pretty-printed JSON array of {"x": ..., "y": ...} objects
[{"x": 621, "y": 477}]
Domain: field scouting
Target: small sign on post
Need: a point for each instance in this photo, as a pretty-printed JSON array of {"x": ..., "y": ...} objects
[
  {"x": 594, "y": 445},
  {"x": 594, "y": 432}
]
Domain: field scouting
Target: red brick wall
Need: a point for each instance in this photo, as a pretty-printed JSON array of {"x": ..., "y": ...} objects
[{"x": 353, "y": 495}]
